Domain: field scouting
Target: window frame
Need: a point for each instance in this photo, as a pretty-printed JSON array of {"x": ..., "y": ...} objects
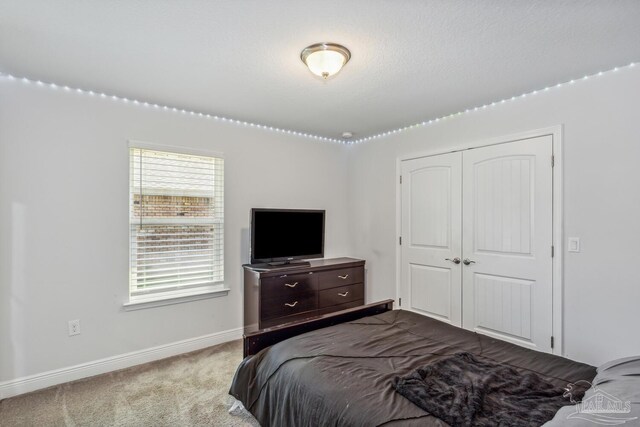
[{"x": 170, "y": 296}]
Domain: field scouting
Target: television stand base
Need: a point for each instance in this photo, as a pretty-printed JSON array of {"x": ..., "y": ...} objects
[{"x": 289, "y": 263}]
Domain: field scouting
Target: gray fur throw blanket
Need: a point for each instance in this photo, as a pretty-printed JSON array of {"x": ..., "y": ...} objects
[{"x": 465, "y": 391}]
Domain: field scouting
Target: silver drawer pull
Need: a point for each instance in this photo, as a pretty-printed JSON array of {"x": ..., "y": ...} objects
[
  {"x": 291, "y": 305},
  {"x": 344, "y": 277},
  {"x": 343, "y": 295},
  {"x": 289, "y": 285}
]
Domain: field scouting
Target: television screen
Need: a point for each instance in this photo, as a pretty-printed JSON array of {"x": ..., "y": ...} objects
[{"x": 286, "y": 234}]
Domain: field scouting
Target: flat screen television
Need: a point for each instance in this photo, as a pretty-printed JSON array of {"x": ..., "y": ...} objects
[{"x": 280, "y": 236}]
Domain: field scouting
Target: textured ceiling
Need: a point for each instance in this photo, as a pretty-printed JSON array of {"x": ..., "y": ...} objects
[{"x": 412, "y": 60}]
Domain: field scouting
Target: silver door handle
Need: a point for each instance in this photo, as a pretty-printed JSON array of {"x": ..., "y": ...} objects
[
  {"x": 290, "y": 285},
  {"x": 467, "y": 261},
  {"x": 291, "y": 305},
  {"x": 344, "y": 277},
  {"x": 343, "y": 295},
  {"x": 456, "y": 260}
]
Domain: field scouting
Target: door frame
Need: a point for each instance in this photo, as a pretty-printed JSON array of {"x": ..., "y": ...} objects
[{"x": 558, "y": 214}]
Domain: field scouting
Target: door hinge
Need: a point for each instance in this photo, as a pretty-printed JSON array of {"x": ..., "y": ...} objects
[
  {"x": 551, "y": 342},
  {"x": 399, "y": 302},
  {"x": 553, "y": 160},
  {"x": 553, "y": 251},
  {"x": 400, "y": 179},
  {"x": 400, "y": 240}
]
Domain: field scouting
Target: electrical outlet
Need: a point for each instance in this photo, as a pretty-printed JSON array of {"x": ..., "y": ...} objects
[{"x": 74, "y": 327}]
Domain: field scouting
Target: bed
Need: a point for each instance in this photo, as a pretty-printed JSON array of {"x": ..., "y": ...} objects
[{"x": 343, "y": 373}]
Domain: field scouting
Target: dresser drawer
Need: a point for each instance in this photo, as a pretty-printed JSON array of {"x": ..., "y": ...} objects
[
  {"x": 286, "y": 305},
  {"x": 340, "y": 277},
  {"x": 287, "y": 285},
  {"x": 335, "y": 308},
  {"x": 341, "y": 295}
]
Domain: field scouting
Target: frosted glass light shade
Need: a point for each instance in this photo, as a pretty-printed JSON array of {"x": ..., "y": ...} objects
[{"x": 325, "y": 59}]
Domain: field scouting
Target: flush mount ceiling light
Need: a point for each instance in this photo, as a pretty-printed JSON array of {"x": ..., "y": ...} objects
[{"x": 325, "y": 59}]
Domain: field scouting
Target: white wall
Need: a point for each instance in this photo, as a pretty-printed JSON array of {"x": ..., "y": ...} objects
[
  {"x": 601, "y": 118},
  {"x": 64, "y": 221}
]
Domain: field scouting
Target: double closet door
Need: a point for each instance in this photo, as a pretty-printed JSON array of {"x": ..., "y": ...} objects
[{"x": 476, "y": 240}]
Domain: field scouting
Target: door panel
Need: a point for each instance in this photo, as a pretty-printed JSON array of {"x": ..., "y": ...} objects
[
  {"x": 430, "y": 212},
  {"x": 503, "y": 305},
  {"x": 431, "y": 290},
  {"x": 507, "y": 232},
  {"x": 502, "y": 214},
  {"x": 431, "y": 227}
]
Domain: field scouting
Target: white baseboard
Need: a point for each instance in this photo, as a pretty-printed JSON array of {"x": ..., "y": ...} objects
[{"x": 50, "y": 378}]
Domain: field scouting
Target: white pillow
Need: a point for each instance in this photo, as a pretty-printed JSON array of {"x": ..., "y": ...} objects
[{"x": 613, "y": 399}]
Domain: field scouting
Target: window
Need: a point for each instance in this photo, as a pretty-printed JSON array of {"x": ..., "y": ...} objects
[{"x": 176, "y": 225}]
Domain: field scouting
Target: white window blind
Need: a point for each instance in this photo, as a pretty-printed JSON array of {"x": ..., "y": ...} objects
[{"x": 177, "y": 222}]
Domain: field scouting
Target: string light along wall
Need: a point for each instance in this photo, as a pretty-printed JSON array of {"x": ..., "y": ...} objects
[
  {"x": 425, "y": 123},
  {"x": 491, "y": 104},
  {"x": 161, "y": 107}
]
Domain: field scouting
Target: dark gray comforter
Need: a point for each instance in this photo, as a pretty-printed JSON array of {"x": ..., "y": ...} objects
[{"x": 343, "y": 375}]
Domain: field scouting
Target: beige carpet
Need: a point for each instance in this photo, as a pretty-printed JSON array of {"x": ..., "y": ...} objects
[{"x": 186, "y": 390}]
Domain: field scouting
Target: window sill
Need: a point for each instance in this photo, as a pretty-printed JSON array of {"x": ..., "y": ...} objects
[{"x": 174, "y": 297}]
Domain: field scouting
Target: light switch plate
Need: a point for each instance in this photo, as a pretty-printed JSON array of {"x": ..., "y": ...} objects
[{"x": 574, "y": 244}]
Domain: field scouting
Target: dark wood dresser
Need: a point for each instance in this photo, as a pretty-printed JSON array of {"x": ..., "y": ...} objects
[{"x": 285, "y": 294}]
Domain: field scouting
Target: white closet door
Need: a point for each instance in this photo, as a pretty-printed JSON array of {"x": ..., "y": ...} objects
[
  {"x": 507, "y": 237},
  {"x": 431, "y": 225}
]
